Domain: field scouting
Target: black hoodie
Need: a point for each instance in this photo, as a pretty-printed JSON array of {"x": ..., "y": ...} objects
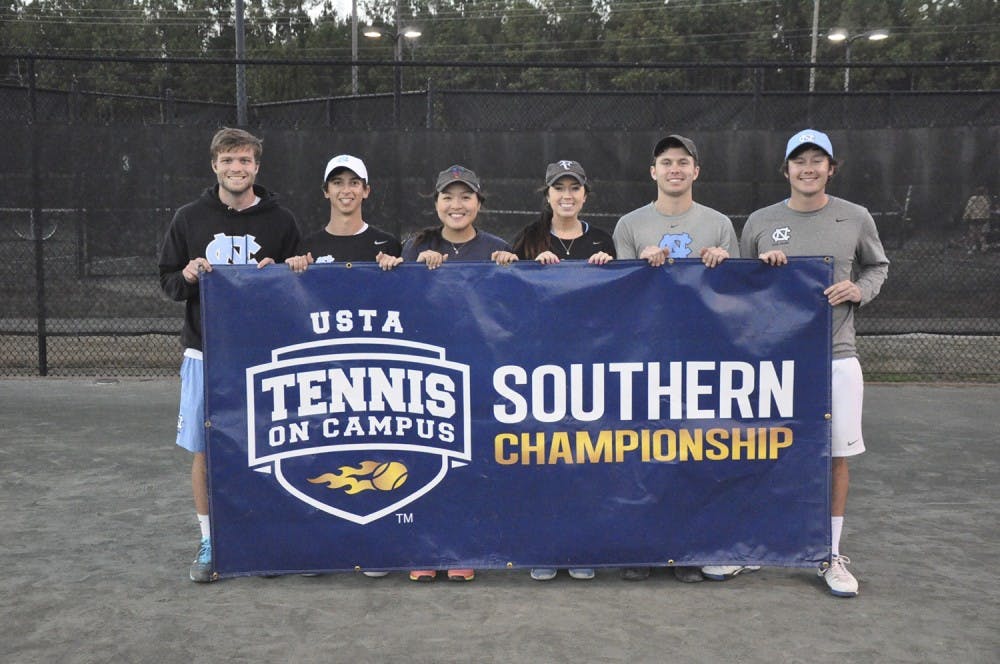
[{"x": 207, "y": 228}]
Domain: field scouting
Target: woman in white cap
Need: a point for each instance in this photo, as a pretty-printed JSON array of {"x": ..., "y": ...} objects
[
  {"x": 457, "y": 200},
  {"x": 559, "y": 234}
]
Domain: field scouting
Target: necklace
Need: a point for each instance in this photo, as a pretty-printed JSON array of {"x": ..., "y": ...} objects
[
  {"x": 564, "y": 246},
  {"x": 456, "y": 246},
  {"x": 569, "y": 247}
]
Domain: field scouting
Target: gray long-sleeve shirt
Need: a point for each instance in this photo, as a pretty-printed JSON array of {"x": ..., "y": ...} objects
[{"x": 840, "y": 229}]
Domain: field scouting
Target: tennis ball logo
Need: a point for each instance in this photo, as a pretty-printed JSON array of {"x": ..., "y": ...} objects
[
  {"x": 389, "y": 476},
  {"x": 369, "y": 476}
]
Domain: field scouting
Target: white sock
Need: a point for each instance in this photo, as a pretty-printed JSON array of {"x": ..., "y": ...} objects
[
  {"x": 836, "y": 526},
  {"x": 206, "y": 528}
]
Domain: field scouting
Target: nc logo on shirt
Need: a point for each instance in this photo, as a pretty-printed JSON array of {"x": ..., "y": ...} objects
[
  {"x": 679, "y": 244},
  {"x": 358, "y": 427},
  {"x": 232, "y": 250},
  {"x": 781, "y": 235}
]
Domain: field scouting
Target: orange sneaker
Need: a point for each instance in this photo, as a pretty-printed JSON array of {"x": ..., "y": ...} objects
[
  {"x": 422, "y": 575},
  {"x": 461, "y": 574}
]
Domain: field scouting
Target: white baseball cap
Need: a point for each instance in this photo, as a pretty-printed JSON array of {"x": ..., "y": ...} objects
[{"x": 348, "y": 162}]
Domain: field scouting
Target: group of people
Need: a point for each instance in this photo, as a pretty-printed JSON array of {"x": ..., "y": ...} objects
[{"x": 238, "y": 221}]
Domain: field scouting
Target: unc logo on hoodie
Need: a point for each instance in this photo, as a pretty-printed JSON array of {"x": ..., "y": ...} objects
[{"x": 232, "y": 250}]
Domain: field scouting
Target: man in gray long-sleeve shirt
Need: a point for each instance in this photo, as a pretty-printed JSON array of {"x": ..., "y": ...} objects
[{"x": 813, "y": 223}]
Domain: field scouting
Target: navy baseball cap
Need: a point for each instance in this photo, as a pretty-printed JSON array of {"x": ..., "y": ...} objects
[{"x": 457, "y": 173}]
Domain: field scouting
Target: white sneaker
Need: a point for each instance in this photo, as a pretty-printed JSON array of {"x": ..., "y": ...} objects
[
  {"x": 543, "y": 573},
  {"x": 842, "y": 583},
  {"x": 723, "y": 572},
  {"x": 376, "y": 575}
]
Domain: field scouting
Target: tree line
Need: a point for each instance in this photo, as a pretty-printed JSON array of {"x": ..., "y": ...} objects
[{"x": 643, "y": 45}]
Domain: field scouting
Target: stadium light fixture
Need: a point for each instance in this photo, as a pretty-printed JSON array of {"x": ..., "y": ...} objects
[
  {"x": 397, "y": 37},
  {"x": 842, "y": 35}
]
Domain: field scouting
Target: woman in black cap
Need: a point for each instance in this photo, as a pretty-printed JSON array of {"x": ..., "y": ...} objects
[{"x": 559, "y": 234}]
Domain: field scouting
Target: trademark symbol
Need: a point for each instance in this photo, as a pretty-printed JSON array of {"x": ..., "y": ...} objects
[{"x": 404, "y": 517}]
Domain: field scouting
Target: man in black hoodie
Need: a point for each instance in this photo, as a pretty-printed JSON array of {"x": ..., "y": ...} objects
[{"x": 234, "y": 222}]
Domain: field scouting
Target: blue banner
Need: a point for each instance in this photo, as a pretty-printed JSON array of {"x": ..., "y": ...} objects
[{"x": 531, "y": 416}]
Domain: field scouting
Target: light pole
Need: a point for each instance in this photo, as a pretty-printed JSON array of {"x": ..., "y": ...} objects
[
  {"x": 397, "y": 37},
  {"x": 842, "y": 35},
  {"x": 241, "y": 69},
  {"x": 354, "y": 47}
]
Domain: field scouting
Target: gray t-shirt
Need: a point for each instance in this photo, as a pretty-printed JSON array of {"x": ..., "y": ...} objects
[
  {"x": 840, "y": 229},
  {"x": 685, "y": 234}
]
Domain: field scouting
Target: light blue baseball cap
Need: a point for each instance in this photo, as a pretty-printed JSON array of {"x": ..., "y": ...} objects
[{"x": 809, "y": 137}]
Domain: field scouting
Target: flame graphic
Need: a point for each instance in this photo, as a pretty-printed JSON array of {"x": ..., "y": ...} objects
[{"x": 370, "y": 475}]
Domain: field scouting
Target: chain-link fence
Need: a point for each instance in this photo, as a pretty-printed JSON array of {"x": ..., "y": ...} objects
[{"x": 91, "y": 181}]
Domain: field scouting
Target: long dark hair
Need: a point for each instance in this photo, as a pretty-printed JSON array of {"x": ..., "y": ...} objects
[
  {"x": 431, "y": 235},
  {"x": 534, "y": 238}
]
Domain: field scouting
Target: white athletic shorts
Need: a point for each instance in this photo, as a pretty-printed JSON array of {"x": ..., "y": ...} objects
[
  {"x": 191, "y": 417},
  {"x": 848, "y": 396}
]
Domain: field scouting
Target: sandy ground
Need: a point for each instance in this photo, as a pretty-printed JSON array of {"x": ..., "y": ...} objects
[{"x": 98, "y": 529}]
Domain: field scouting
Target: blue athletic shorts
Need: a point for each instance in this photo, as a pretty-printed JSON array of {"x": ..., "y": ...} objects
[{"x": 191, "y": 417}]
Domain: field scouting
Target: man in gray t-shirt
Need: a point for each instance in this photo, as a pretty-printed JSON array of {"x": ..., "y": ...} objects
[{"x": 674, "y": 225}]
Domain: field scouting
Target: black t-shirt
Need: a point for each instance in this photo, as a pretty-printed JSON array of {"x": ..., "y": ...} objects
[
  {"x": 591, "y": 242},
  {"x": 364, "y": 246}
]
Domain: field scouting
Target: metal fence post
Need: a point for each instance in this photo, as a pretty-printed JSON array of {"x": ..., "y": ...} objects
[
  {"x": 36, "y": 220},
  {"x": 168, "y": 108},
  {"x": 75, "y": 103},
  {"x": 429, "y": 124}
]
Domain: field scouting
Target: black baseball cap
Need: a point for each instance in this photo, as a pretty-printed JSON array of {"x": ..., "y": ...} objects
[
  {"x": 559, "y": 169},
  {"x": 676, "y": 141}
]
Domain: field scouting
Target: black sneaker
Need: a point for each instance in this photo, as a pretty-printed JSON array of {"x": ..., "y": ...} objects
[
  {"x": 687, "y": 574},
  {"x": 635, "y": 573}
]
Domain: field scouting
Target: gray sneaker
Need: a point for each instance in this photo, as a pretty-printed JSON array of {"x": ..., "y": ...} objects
[
  {"x": 201, "y": 568},
  {"x": 543, "y": 573},
  {"x": 723, "y": 572}
]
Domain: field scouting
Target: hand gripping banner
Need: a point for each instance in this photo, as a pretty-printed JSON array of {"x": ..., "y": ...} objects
[{"x": 569, "y": 415}]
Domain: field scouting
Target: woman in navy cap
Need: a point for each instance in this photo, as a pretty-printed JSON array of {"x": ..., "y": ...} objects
[{"x": 457, "y": 200}]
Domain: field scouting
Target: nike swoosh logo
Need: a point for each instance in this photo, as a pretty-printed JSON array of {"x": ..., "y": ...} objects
[
  {"x": 596, "y": 243},
  {"x": 384, "y": 241},
  {"x": 856, "y": 439},
  {"x": 840, "y": 220}
]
